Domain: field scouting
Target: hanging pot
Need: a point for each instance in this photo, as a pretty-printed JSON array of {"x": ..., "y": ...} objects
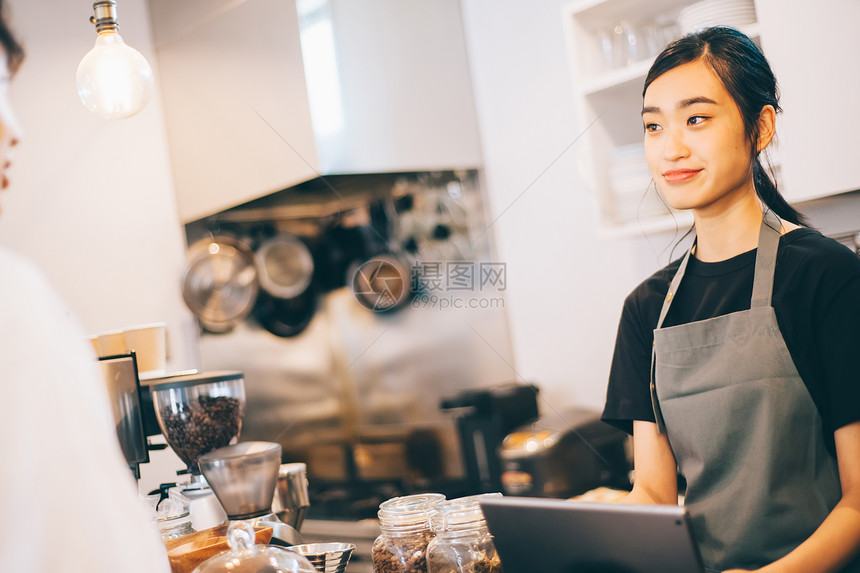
[
  {"x": 383, "y": 282},
  {"x": 220, "y": 282},
  {"x": 284, "y": 265},
  {"x": 286, "y": 317},
  {"x": 338, "y": 251}
]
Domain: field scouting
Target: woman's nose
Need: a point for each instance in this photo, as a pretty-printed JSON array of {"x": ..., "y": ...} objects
[{"x": 675, "y": 147}]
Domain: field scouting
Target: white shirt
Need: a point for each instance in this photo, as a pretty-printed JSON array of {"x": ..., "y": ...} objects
[{"x": 68, "y": 502}]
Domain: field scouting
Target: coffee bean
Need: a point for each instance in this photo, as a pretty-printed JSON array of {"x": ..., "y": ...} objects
[{"x": 195, "y": 429}]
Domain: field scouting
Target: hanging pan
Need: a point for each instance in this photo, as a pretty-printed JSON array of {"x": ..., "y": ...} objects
[
  {"x": 286, "y": 317},
  {"x": 288, "y": 299},
  {"x": 285, "y": 266},
  {"x": 220, "y": 282}
]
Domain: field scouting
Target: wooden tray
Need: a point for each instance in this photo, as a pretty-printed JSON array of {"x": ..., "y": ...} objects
[{"x": 187, "y": 552}]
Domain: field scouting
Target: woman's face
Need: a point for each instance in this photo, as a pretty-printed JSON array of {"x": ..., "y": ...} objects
[
  {"x": 9, "y": 131},
  {"x": 694, "y": 140}
]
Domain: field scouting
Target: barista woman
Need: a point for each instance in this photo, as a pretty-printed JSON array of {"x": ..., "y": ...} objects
[{"x": 738, "y": 365}]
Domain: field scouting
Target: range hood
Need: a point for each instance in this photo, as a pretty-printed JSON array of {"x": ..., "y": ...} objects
[{"x": 261, "y": 95}]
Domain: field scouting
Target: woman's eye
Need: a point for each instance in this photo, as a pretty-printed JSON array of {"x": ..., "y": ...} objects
[
  {"x": 651, "y": 127},
  {"x": 696, "y": 119}
]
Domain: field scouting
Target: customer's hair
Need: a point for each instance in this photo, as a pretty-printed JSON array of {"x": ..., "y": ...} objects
[
  {"x": 746, "y": 74},
  {"x": 13, "y": 49}
]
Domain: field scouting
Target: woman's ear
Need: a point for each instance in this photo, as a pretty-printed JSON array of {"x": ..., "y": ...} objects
[{"x": 766, "y": 126}]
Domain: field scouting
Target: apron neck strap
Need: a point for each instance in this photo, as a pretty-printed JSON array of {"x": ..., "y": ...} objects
[
  {"x": 673, "y": 287},
  {"x": 765, "y": 259},
  {"x": 765, "y": 263}
]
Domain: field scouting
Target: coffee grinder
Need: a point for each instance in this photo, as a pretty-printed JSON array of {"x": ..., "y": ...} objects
[
  {"x": 198, "y": 413},
  {"x": 243, "y": 477}
]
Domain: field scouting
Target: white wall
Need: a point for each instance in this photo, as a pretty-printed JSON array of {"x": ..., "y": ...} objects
[
  {"x": 91, "y": 201},
  {"x": 565, "y": 286}
]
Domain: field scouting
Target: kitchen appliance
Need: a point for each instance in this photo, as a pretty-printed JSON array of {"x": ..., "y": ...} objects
[
  {"x": 243, "y": 477},
  {"x": 484, "y": 417},
  {"x": 291, "y": 501},
  {"x": 196, "y": 412},
  {"x": 564, "y": 454},
  {"x": 123, "y": 385}
]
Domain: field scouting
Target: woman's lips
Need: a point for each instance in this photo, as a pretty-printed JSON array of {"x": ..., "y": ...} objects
[{"x": 678, "y": 175}]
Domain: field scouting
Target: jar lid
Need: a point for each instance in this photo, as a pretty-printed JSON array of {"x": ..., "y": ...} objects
[
  {"x": 409, "y": 511},
  {"x": 187, "y": 380},
  {"x": 459, "y": 514},
  {"x": 410, "y": 504},
  {"x": 245, "y": 557}
]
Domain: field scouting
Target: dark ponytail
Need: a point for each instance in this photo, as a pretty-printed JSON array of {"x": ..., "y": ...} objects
[
  {"x": 747, "y": 76},
  {"x": 10, "y": 45}
]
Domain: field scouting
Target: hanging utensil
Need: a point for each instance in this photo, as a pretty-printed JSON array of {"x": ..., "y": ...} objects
[
  {"x": 286, "y": 317},
  {"x": 285, "y": 266},
  {"x": 220, "y": 282}
]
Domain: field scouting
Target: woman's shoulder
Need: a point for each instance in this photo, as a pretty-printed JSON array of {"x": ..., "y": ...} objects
[
  {"x": 810, "y": 252},
  {"x": 815, "y": 273}
]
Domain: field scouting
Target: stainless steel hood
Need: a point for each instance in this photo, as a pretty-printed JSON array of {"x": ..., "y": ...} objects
[{"x": 260, "y": 95}]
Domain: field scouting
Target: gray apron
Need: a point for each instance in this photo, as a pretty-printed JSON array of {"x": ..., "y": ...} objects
[{"x": 744, "y": 429}]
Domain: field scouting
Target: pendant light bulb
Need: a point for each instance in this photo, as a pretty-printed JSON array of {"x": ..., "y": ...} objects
[{"x": 114, "y": 80}]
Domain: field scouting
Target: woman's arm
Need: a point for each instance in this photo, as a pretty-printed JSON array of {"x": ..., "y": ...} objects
[
  {"x": 837, "y": 539},
  {"x": 656, "y": 480}
]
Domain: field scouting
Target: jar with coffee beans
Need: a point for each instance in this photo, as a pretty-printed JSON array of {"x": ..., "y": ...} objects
[
  {"x": 462, "y": 543},
  {"x": 404, "y": 523}
]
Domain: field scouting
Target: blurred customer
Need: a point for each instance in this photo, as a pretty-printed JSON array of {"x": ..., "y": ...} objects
[{"x": 67, "y": 498}]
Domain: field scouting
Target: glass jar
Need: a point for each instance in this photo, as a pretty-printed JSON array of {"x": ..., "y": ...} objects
[
  {"x": 462, "y": 542},
  {"x": 246, "y": 557},
  {"x": 172, "y": 513},
  {"x": 404, "y": 523}
]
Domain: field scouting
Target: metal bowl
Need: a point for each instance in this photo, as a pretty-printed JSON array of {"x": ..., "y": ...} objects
[{"x": 326, "y": 557}]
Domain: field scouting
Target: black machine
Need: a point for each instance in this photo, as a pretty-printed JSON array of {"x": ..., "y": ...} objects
[
  {"x": 565, "y": 453},
  {"x": 484, "y": 417}
]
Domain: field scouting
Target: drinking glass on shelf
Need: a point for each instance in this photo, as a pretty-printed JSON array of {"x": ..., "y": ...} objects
[
  {"x": 604, "y": 37},
  {"x": 668, "y": 30},
  {"x": 621, "y": 36}
]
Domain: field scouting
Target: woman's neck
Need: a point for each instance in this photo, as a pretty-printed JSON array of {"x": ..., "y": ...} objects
[{"x": 729, "y": 231}]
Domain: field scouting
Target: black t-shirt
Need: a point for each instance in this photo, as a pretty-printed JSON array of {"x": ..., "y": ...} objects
[{"x": 816, "y": 298}]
